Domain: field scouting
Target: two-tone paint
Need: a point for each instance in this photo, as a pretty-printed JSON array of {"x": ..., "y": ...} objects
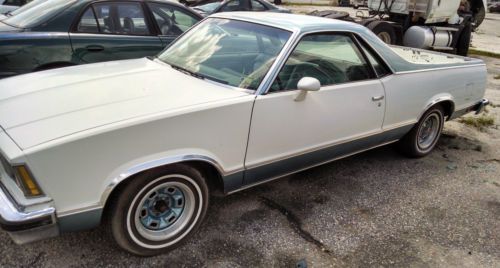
[{"x": 85, "y": 130}]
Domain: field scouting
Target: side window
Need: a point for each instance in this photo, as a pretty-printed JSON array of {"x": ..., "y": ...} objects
[
  {"x": 234, "y": 5},
  {"x": 121, "y": 18},
  {"x": 330, "y": 58},
  {"x": 88, "y": 22},
  {"x": 257, "y": 6},
  {"x": 172, "y": 20},
  {"x": 378, "y": 65}
]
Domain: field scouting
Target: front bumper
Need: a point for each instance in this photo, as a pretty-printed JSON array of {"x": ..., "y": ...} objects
[{"x": 26, "y": 226}]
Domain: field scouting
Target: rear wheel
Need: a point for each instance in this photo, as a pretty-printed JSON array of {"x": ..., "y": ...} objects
[
  {"x": 158, "y": 210},
  {"x": 384, "y": 31},
  {"x": 424, "y": 135}
]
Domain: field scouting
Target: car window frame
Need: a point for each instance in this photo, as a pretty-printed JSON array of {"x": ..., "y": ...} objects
[
  {"x": 174, "y": 6},
  {"x": 153, "y": 31},
  {"x": 351, "y": 35},
  {"x": 363, "y": 44},
  {"x": 266, "y": 8}
]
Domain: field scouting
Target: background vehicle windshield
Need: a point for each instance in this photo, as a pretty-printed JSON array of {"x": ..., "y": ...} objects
[
  {"x": 36, "y": 12},
  {"x": 232, "y": 52}
]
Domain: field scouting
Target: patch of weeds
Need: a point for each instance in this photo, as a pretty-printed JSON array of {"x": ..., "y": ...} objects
[
  {"x": 481, "y": 122},
  {"x": 483, "y": 53}
]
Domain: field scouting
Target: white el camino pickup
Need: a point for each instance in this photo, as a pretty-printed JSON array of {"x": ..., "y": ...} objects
[{"x": 238, "y": 100}]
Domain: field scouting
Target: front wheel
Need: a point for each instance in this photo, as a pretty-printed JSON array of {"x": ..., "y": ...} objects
[
  {"x": 157, "y": 210},
  {"x": 424, "y": 135}
]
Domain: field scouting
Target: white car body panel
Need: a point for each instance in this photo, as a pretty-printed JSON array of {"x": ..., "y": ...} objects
[{"x": 320, "y": 120}]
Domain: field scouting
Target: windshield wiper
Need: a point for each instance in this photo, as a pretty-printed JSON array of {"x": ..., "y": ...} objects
[{"x": 198, "y": 75}]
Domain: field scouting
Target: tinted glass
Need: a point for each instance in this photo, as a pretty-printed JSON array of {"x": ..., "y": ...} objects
[
  {"x": 379, "y": 67},
  {"x": 172, "y": 20},
  {"x": 121, "y": 18},
  {"x": 234, "y": 5},
  {"x": 231, "y": 52},
  {"x": 88, "y": 22},
  {"x": 37, "y": 12},
  {"x": 330, "y": 58},
  {"x": 257, "y": 6}
]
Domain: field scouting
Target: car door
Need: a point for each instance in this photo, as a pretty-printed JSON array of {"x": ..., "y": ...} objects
[
  {"x": 172, "y": 21},
  {"x": 344, "y": 116},
  {"x": 113, "y": 31}
]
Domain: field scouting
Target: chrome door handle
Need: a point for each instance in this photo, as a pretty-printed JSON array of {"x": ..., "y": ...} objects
[{"x": 378, "y": 98}]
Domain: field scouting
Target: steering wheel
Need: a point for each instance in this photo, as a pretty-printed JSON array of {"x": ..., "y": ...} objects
[
  {"x": 337, "y": 75},
  {"x": 306, "y": 69}
]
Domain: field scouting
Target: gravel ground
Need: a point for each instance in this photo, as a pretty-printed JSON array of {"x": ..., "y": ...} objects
[{"x": 373, "y": 209}]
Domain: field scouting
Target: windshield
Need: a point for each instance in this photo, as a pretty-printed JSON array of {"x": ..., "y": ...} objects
[
  {"x": 232, "y": 52},
  {"x": 36, "y": 12},
  {"x": 209, "y": 8}
]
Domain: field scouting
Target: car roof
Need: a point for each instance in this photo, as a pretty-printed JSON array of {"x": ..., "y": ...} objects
[{"x": 292, "y": 22}]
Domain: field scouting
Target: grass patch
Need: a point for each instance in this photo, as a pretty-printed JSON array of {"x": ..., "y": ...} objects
[
  {"x": 473, "y": 51},
  {"x": 497, "y": 76},
  {"x": 481, "y": 122}
]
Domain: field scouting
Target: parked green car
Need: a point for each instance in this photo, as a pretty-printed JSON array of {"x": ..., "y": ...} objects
[{"x": 59, "y": 33}]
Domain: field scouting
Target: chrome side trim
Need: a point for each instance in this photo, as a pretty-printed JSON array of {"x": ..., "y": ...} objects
[
  {"x": 158, "y": 163},
  {"x": 439, "y": 69},
  {"x": 331, "y": 144},
  {"x": 434, "y": 102},
  {"x": 302, "y": 169}
]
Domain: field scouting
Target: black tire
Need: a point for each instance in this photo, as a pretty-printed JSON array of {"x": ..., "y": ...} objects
[
  {"x": 479, "y": 17},
  {"x": 410, "y": 145},
  {"x": 128, "y": 230},
  {"x": 383, "y": 30},
  {"x": 464, "y": 39}
]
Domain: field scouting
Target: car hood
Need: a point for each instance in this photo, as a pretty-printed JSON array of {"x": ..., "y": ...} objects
[{"x": 44, "y": 106}]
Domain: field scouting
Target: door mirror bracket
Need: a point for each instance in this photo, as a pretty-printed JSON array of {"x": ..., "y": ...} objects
[{"x": 306, "y": 84}]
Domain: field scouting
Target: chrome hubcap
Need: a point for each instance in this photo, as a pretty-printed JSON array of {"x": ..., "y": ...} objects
[
  {"x": 162, "y": 208},
  {"x": 165, "y": 210},
  {"x": 428, "y": 131}
]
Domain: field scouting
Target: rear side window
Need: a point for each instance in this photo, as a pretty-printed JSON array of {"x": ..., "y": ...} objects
[
  {"x": 380, "y": 68},
  {"x": 257, "y": 6},
  {"x": 172, "y": 20},
  {"x": 88, "y": 22},
  {"x": 114, "y": 18}
]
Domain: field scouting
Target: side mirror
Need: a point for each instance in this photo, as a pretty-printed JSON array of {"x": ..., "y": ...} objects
[{"x": 306, "y": 84}]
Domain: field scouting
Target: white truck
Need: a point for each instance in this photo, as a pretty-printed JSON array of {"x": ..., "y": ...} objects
[{"x": 443, "y": 25}]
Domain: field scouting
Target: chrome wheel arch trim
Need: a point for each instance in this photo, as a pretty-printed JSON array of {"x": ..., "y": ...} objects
[
  {"x": 437, "y": 100},
  {"x": 136, "y": 169}
]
